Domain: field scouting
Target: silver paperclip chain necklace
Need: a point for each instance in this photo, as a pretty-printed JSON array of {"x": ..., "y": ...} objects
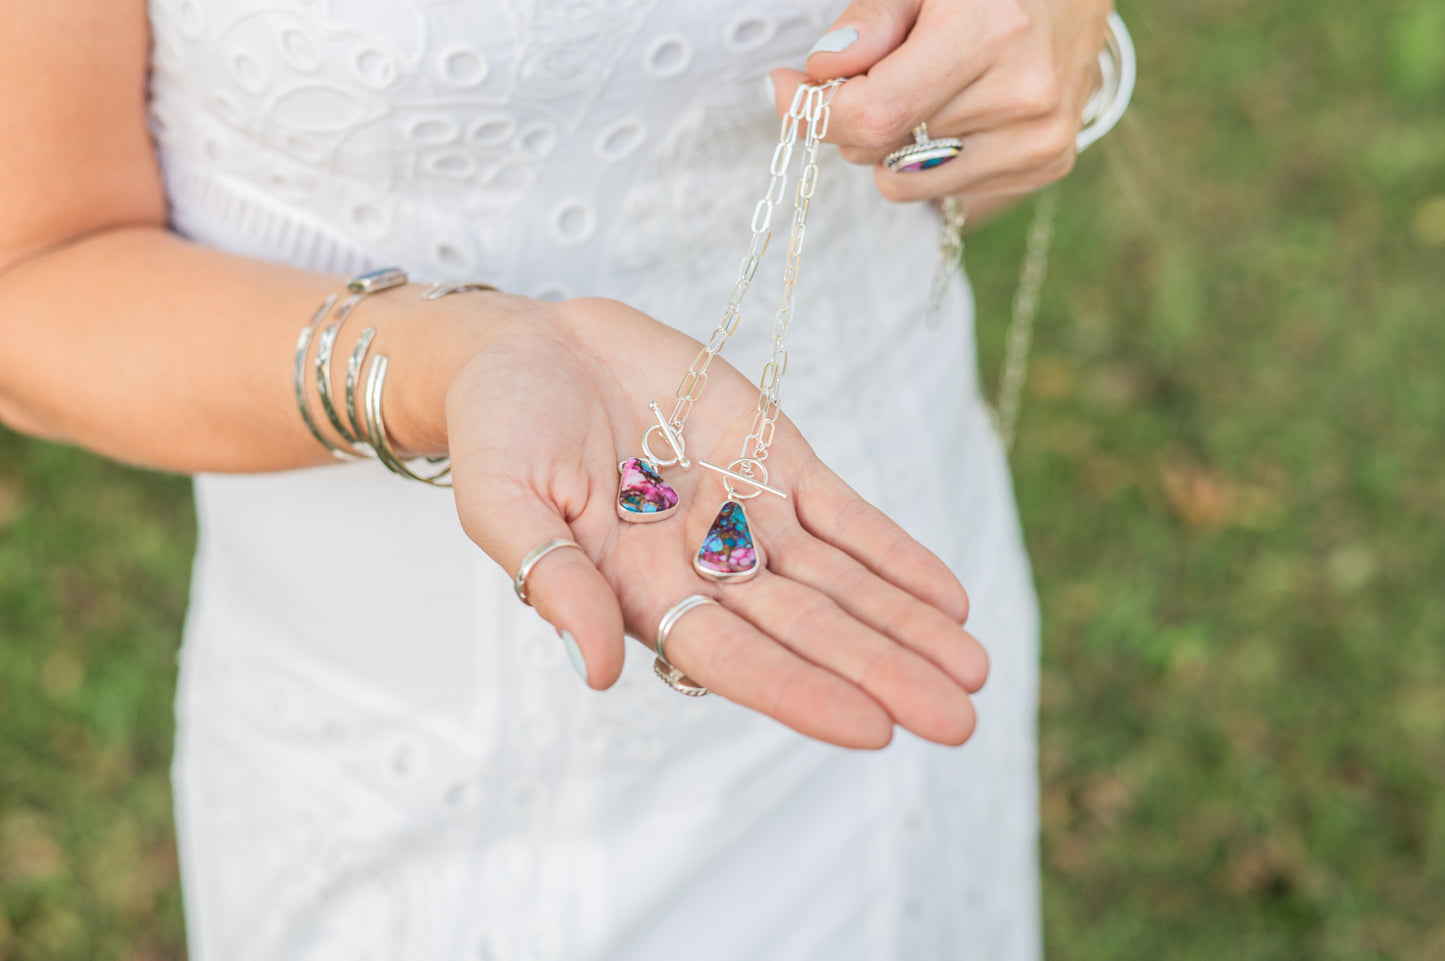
[
  {"x": 729, "y": 552},
  {"x": 642, "y": 495},
  {"x": 1013, "y": 370}
]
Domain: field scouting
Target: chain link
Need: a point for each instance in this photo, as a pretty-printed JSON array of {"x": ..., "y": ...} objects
[
  {"x": 950, "y": 255},
  {"x": 690, "y": 388},
  {"x": 1014, "y": 369},
  {"x": 810, "y": 107},
  {"x": 1025, "y": 308}
]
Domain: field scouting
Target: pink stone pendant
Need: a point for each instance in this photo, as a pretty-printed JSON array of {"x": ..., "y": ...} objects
[
  {"x": 642, "y": 495},
  {"x": 728, "y": 552}
]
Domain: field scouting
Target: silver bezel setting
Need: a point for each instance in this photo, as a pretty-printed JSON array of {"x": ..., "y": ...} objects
[
  {"x": 943, "y": 150},
  {"x": 733, "y": 577},
  {"x": 642, "y": 517}
]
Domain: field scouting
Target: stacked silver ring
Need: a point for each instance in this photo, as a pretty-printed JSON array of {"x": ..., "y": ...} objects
[
  {"x": 924, "y": 153},
  {"x": 674, "y": 678},
  {"x": 1118, "y": 68}
]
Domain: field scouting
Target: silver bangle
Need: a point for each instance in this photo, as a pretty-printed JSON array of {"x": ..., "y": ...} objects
[
  {"x": 303, "y": 343},
  {"x": 366, "y": 439},
  {"x": 1118, "y": 70},
  {"x": 375, "y": 427},
  {"x": 376, "y": 433},
  {"x": 359, "y": 288},
  {"x": 353, "y": 374},
  {"x": 322, "y": 371}
]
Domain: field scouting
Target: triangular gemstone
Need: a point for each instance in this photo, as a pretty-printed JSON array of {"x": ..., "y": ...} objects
[
  {"x": 642, "y": 492},
  {"x": 728, "y": 550}
]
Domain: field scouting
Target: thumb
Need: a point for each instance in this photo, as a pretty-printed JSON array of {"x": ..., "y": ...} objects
[
  {"x": 564, "y": 585},
  {"x": 865, "y": 33}
]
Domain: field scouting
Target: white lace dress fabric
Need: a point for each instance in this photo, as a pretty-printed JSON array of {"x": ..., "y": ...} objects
[{"x": 380, "y": 753}]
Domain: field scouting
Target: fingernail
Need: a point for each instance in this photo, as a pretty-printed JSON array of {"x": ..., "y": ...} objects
[
  {"x": 574, "y": 654},
  {"x": 770, "y": 88},
  {"x": 835, "y": 42}
]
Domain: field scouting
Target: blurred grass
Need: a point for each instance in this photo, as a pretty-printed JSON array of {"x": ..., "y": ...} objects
[
  {"x": 1229, "y": 465},
  {"x": 94, "y": 560}
]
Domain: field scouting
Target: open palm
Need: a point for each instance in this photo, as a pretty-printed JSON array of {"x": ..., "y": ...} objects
[{"x": 852, "y": 627}]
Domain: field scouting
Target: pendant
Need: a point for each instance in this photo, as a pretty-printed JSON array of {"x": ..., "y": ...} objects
[
  {"x": 642, "y": 495},
  {"x": 728, "y": 552}
]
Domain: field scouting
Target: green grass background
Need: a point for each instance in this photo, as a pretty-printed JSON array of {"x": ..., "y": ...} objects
[{"x": 1229, "y": 466}]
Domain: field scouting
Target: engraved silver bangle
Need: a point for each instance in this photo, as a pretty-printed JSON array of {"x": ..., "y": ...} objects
[
  {"x": 353, "y": 374},
  {"x": 303, "y": 344},
  {"x": 375, "y": 426},
  {"x": 321, "y": 369},
  {"x": 359, "y": 288},
  {"x": 365, "y": 437},
  {"x": 381, "y": 444}
]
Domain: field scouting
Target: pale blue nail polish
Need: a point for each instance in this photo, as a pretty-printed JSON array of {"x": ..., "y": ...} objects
[
  {"x": 835, "y": 42},
  {"x": 770, "y": 88},
  {"x": 574, "y": 654}
]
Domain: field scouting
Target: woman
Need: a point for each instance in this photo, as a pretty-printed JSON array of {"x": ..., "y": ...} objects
[{"x": 380, "y": 753}]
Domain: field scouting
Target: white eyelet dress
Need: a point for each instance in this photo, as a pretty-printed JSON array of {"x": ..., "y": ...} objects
[{"x": 380, "y": 753}]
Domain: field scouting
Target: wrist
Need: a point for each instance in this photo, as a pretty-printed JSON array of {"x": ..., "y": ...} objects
[{"x": 427, "y": 343}]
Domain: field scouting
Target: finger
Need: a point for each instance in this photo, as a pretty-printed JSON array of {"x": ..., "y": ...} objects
[
  {"x": 834, "y": 513},
  {"x": 1026, "y": 88},
  {"x": 785, "y": 85},
  {"x": 720, "y": 650},
  {"x": 564, "y": 586},
  {"x": 919, "y": 696},
  {"x": 1003, "y": 99},
  {"x": 1030, "y": 89},
  {"x": 864, "y": 33},
  {"x": 908, "y": 86},
  {"x": 882, "y": 606},
  {"x": 1010, "y": 160}
]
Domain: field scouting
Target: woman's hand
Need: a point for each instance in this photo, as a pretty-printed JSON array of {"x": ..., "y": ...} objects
[
  {"x": 851, "y": 627},
  {"x": 1009, "y": 77}
]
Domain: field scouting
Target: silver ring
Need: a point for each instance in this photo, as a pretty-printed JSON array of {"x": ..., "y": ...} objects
[
  {"x": 675, "y": 679},
  {"x": 924, "y": 153},
  {"x": 673, "y": 615},
  {"x": 519, "y": 583}
]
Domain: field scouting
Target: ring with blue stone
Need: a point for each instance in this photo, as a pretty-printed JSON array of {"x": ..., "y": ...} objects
[{"x": 924, "y": 153}]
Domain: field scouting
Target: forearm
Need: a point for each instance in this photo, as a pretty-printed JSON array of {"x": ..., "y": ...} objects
[{"x": 148, "y": 349}]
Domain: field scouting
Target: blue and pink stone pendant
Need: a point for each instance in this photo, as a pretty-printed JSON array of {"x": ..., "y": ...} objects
[
  {"x": 642, "y": 495},
  {"x": 728, "y": 552}
]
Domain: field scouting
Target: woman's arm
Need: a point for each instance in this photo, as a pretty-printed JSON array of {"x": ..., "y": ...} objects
[{"x": 119, "y": 336}]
